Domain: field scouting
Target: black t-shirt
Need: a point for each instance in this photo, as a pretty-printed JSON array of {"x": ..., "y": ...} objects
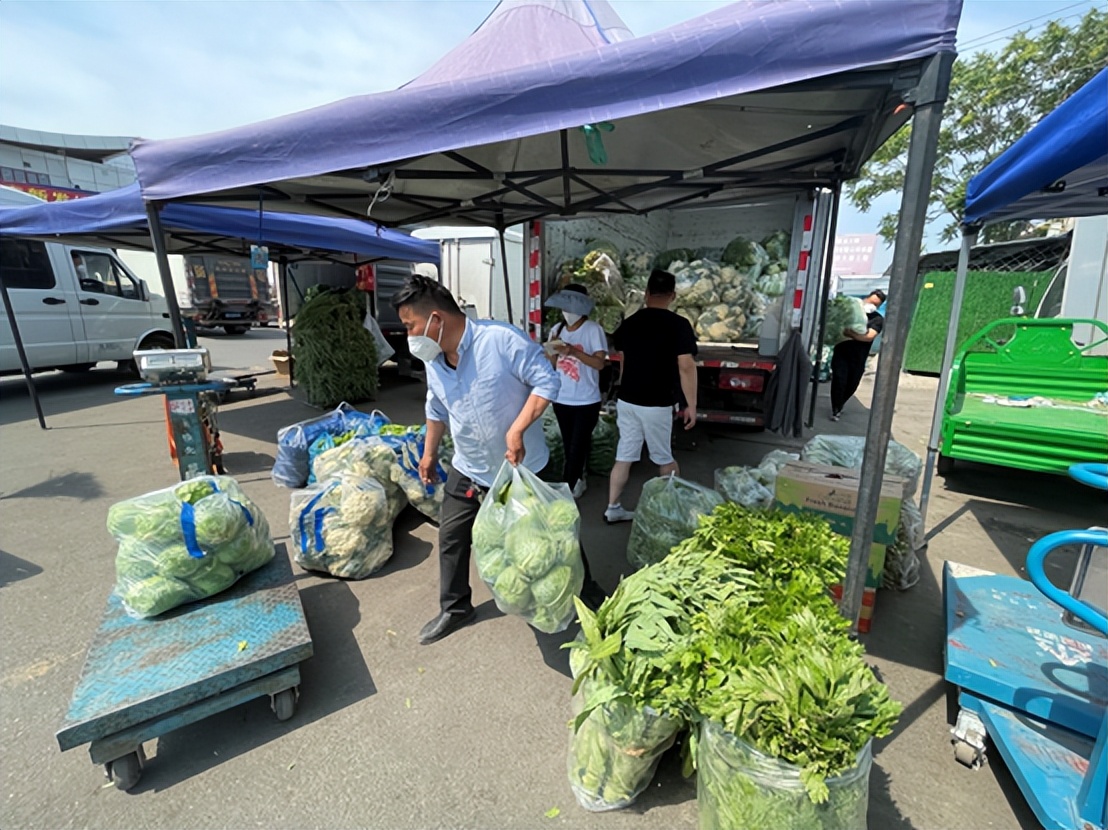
[
  {"x": 651, "y": 339},
  {"x": 858, "y": 350}
]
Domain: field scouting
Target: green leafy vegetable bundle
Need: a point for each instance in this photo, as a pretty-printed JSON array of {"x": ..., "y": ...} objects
[
  {"x": 185, "y": 543},
  {"x": 735, "y": 634},
  {"x": 341, "y": 526},
  {"x": 336, "y": 356},
  {"x": 667, "y": 513},
  {"x": 844, "y": 313},
  {"x": 525, "y": 546},
  {"x": 602, "y": 451}
]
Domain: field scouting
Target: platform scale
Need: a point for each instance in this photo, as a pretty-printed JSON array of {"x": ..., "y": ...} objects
[
  {"x": 144, "y": 678},
  {"x": 1030, "y": 664}
]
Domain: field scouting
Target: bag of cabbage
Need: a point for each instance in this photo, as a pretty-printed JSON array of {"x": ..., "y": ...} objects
[{"x": 526, "y": 548}]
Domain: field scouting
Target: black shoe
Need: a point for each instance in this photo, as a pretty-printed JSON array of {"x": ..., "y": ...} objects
[{"x": 443, "y": 625}]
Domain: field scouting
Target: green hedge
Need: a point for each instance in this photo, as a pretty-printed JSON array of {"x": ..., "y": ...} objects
[{"x": 988, "y": 297}]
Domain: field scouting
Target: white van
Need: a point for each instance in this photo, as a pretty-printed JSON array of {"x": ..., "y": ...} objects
[{"x": 75, "y": 306}]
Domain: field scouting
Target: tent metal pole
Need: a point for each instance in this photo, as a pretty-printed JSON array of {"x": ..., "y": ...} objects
[
  {"x": 928, "y": 99},
  {"x": 969, "y": 239},
  {"x": 283, "y": 271},
  {"x": 157, "y": 239},
  {"x": 825, "y": 298},
  {"x": 22, "y": 352},
  {"x": 504, "y": 271}
]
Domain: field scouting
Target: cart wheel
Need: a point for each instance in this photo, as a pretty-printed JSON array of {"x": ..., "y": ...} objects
[
  {"x": 967, "y": 755},
  {"x": 284, "y": 704},
  {"x": 125, "y": 772},
  {"x": 944, "y": 465}
]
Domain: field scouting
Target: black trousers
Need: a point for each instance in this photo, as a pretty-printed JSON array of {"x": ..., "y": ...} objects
[
  {"x": 576, "y": 424},
  {"x": 847, "y": 367},
  {"x": 461, "y": 501}
]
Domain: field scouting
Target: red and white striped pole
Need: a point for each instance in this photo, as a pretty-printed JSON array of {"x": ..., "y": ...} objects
[
  {"x": 534, "y": 281},
  {"x": 802, "y": 264}
]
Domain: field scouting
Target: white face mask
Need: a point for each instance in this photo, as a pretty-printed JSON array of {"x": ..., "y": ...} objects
[
  {"x": 571, "y": 318},
  {"x": 423, "y": 347},
  {"x": 869, "y": 307}
]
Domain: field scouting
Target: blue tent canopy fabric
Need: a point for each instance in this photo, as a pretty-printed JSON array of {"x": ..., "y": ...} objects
[
  {"x": 1058, "y": 169},
  {"x": 733, "y": 101},
  {"x": 520, "y": 32},
  {"x": 119, "y": 217}
]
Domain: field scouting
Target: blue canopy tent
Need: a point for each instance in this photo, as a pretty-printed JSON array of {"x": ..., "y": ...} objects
[
  {"x": 1058, "y": 169},
  {"x": 749, "y": 101},
  {"x": 119, "y": 219}
]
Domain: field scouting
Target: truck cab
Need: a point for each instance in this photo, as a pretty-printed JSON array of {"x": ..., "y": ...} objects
[{"x": 74, "y": 306}]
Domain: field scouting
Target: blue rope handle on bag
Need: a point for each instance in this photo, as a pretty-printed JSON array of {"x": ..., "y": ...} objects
[
  {"x": 188, "y": 530},
  {"x": 308, "y": 508}
]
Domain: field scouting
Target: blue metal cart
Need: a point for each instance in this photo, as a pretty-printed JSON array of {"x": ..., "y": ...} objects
[
  {"x": 144, "y": 678},
  {"x": 1030, "y": 663}
]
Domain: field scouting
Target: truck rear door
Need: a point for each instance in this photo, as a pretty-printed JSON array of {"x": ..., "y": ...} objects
[{"x": 45, "y": 306}]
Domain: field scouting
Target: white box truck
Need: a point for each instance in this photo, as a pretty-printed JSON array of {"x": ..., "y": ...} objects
[{"x": 732, "y": 377}]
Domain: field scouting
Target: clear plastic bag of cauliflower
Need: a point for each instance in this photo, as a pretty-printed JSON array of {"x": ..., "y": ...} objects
[
  {"x": 720, "y": 324},
  {"x": 526, "y": 548},
  {"x": 341, "y": 526},
  {"x": 365, "y": 458}
]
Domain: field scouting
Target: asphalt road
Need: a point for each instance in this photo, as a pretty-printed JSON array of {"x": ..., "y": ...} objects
[{"x": 467, "y": 733}]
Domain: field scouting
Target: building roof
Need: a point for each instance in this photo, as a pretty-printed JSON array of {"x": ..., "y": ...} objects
[{"x": 88, "y": 147}]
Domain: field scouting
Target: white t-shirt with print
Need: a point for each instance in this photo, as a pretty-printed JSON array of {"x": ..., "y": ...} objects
[{"x": 580, "y": 383}]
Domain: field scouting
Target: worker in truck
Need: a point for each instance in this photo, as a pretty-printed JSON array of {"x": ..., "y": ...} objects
[
  {"x": 578, "y": 348},
  {"x": 490, "y": 383},
  {"x": 848, "y": 361},
  {"x": 658, "y": 347}
]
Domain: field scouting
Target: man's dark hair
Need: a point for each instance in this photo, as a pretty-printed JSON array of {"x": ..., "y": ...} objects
[
  {"x": 661, "y": 283},
  {"x": 425, "y": 295},
  {"x": 877, "y": 292}
]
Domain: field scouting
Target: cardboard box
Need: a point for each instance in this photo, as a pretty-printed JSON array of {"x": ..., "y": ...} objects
[
  {"x": 281, "y": 360},
  {"x": 832, "y": 492}
]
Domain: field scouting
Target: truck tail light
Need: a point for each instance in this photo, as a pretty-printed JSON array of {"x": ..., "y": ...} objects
[{"x": 741, "y": 381}]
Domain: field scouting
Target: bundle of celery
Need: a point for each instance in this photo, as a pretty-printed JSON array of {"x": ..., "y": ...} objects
[{"x": 734, "y": 632}]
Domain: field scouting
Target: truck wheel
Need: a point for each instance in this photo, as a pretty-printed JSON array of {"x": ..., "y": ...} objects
[
  {"x": 78, "y": 367},
  {"x": 236, "y": 330}
]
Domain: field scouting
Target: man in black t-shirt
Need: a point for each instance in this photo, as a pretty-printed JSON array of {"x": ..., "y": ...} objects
[
  {"x": 658, "y": 348},
  {"x": 848, "y": 362}
]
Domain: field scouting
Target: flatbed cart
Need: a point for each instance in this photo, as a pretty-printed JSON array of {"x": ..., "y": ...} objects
[
  {"x": 1029, "y": 662},
  {"x": 145, "y": 678}
]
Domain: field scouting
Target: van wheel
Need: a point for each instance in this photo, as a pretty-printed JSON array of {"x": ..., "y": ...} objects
[
  {"x": 236, "y": 330},
  {"x": 157, "y": 340},
  {"x": 78, "y": 367}
]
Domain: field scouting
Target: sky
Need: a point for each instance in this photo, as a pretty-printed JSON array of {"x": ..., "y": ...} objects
[{"x": 181, "y": 67}]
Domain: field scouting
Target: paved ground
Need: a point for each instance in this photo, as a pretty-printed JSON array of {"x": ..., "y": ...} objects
[{"x": 468, "y": 733}]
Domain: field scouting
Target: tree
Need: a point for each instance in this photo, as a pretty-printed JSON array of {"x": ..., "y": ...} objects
[{"x": 995, "y": 98}]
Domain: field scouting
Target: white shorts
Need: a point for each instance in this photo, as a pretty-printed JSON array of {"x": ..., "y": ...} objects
[{"x": 650, "y": 424}]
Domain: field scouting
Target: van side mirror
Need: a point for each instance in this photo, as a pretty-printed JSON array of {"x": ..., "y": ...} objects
[
  {"x": 1019, "y": 300},
  {"x": 144, "y": 291}
]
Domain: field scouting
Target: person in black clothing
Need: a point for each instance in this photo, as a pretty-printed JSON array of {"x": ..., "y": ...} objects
[
  {"x": 848, "y": 362},
  {"x": 658, "y": 348}
]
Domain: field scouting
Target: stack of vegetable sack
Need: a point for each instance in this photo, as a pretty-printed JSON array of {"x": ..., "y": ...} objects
[
  {"x": 185, "y": 543},
  {"x": 723, "y": 293},
  {"x": 526, "y": 549},
  {"x": 733, "y": 636},
  {"x": 366, "y": 470}
]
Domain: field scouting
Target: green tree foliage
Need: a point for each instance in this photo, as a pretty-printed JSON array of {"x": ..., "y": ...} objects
[{"x": 995, "y": 98}]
